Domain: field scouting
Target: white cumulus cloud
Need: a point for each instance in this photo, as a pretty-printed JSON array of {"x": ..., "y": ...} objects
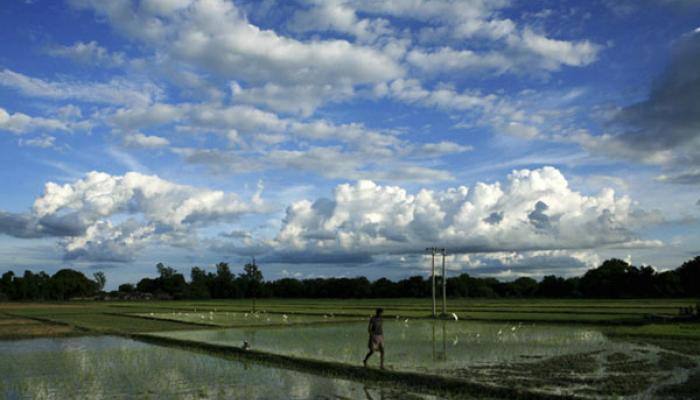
[
  {"x": 104, "y": 217},
  {"x": 531, "y": 210}
]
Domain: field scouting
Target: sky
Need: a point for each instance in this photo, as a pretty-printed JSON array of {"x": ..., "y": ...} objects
[{"x": 343, "y": 137}]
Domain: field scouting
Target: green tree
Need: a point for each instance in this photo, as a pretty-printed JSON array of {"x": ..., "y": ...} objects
[
  {"x": 199, "y": 283},
  {"x": 126, "y": 288},
  {"x": 252, "y": 279},
  {"x": 101, "y": 280},
  {"x": 223, "y": 285},
  {"x": 613, "y": 279},
  {"x": 165, "y": 272},
  {"x": 668, "y": 284},
  {"x": 252, "y": 272},
  {"x": 6, "y": 280},
  {"x": 524, "y": 287},
  {"x": 689, "y": 274},
  {"x": 170, "y": 282},
  {"x": 67, "y": 284}
]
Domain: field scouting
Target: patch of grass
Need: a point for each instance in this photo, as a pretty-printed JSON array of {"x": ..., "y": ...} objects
[
  {"x": 241, "y": 319},
  {"x": 119, "y": 323},
  {"x": 16, "y": 321},
  {"x": 622, "y": 385},
  {"x": 687, "y": 390},
  {"x": 616, "y": 317},
  {"x": 553, "y": 317},
  {"x": 688, "y": 330},
  {"x": 568, "y": 364},
  {"x": 684, "y": 346},
  {"x": 20, "y": 328},
  {"x": 618, "y": 357},
  {"x": 669, "y": 361},
  {"x": 532, "y": 310},
  {"x": 560, "y": 371},
  {"x": 9, "y": 307},
  {"x": 632, "y": 366}
]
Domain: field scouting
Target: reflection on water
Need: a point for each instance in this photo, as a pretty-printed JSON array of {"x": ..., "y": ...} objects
[
  {"x": 420, "y": 345},
  {"x": 110, "y": 367},
  {"x": 441, "y": 354}
]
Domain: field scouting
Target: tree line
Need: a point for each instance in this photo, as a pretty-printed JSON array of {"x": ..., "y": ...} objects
[
  {"x": 65, "y": 284},
  {"x": 614, "y": 278}
]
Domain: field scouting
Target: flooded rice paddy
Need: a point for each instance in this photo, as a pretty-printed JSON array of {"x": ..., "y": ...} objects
[
  {"x": 550, "y": 359},
  {"x": 553, "y": 359},
  {"x": 416, "y": 345},
  {"x": 117, "y": 368}
]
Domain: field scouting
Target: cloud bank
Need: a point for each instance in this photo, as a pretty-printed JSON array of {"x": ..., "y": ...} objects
[{"x": 108, "y": 218}]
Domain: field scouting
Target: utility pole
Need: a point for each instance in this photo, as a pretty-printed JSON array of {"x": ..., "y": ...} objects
[
  {"x": 444, "y": 283},
  {"x": 433, "y": 251}
]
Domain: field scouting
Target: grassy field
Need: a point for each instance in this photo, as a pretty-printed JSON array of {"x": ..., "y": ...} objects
[
  {"x": 622, "y": 317},
  {"x": 86, "y": 317},
  {"x": 22, "y": 328}
]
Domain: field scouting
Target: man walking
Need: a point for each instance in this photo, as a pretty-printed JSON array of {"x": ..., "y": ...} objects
[{"x": 376, "y": 337}]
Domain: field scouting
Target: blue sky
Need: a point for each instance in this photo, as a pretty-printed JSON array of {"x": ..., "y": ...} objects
[{"x": 340, "y": 138}]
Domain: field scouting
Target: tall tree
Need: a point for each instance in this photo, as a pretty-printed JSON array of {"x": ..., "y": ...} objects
[
  {"x": 67, "y": 284},
  {"x": 610, "y": 280},
  {"x": 199, "y": 283},
  {"x": 252, "y": 279},
  {"x": 224, "y": 284},
  {"x": 101, "y": 280},
  {"x": 165, "y": 272}
]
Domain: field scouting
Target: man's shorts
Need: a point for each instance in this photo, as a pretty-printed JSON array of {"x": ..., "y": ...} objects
[{"x": 376, "y": 342}]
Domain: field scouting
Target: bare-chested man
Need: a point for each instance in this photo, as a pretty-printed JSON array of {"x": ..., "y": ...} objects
[{"x": 376, "y": 337}]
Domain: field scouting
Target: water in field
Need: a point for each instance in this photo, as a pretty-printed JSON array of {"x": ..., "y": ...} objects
[
  {"x": 417, "y": 345},
  {"x": 243, "y": 318},
  {"x": 115, "y": 368},
  {"x": 549, "y": 359}
]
